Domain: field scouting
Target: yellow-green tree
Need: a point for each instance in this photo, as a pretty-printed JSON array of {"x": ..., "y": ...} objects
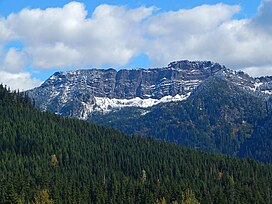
[
  {"x": 188, "y": 197},
  {"x": 54, "y": 160},
  {"x": 161, "y": 201},
  {"x": 42, "y": 197}
]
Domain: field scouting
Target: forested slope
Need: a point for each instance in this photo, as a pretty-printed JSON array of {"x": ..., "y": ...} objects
[
  {"x": 218, "y": 117},
  {"x": 78, "y": 162}
]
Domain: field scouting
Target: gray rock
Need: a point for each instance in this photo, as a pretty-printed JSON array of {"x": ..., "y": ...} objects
[{"x": 74, "y": 93}]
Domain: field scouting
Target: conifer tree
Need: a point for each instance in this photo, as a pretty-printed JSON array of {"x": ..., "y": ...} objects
[
  {"x": 12, "y": 197},
  {"x": 42, "y": 197},
  {"x": 188, "y": 197},
  {"x": 54, "y": 160}
]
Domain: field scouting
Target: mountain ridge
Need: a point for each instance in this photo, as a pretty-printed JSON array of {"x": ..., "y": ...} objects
[{"x": 80, "y": 93}]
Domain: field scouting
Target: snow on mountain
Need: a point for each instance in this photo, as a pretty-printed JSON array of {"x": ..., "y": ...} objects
[{"x": 105, "y": 105}]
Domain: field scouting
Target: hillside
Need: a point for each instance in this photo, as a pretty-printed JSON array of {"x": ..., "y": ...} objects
[
  {"x": 218, "y": 117},
  {"x": 199, "y": 104},
  {"x": 78, "y": 162}
]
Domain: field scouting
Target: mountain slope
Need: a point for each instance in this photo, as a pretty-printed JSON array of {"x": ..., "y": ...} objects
[
  {"x": 260, "y": 144},
  {"x": 218, "y": 117},
  {"x": 198, "y": 104},
  {"x": 79, "y": 162}
]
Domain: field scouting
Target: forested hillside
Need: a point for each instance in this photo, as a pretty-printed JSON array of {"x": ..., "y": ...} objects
[
  {"x": 218, "y": 117},
  {"x": 47, "y": 157}
]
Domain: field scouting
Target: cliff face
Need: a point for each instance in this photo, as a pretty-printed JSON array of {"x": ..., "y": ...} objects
[
  {"x": 79, "y": 93},
  {"x": 177, "y": 78}
]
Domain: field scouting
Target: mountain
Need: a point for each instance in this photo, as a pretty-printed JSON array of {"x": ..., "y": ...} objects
[
  {"x": 45, "y": 158},
  {"x": 198, "y": 104},
  {"x": 218, "y": 117},
  {"x": 81, "y": 93}
]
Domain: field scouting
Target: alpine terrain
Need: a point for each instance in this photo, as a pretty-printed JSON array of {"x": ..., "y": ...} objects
[{"x": 200, "y": 104}]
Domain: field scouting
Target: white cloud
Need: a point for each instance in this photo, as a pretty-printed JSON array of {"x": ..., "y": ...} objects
[
  {"x": 13, "y": 61},
  {"x": 258, "y": 71},
  {"x": 21, "y": 81},
  {"x": 5, "y": 34},
  {"x": 197, "y": 20},
  {"x": 211, "y": 32},
  {"x": 59, "y": 37},
  {"x": 54, "y": 55},
  {"x": 188, "y": 34}
]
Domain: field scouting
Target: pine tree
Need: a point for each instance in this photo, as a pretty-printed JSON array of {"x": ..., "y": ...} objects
[
  {"x": 188, "y": 197},
  {"x": 161, "y": 201},
  {"x": 54, "y": 160},
  {"x": 42, "y": 197},
  {"x": 143, "y": 178},
  {"x": 12, "y": 197}
]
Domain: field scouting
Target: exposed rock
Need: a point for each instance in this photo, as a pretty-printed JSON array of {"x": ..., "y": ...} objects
[{"x": 79, "y": 93}]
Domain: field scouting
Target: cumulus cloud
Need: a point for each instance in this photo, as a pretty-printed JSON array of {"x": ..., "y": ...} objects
[
  {"x": 113, "y": 35},
  {"x": 12, "y": 74},
  {"x": 5, "y": 33},
  {"x": 21, "y": 81},
  {"x": 188, "y": 34},
  {"x": 13, "y": 61},
  {"x": 59, "y": 37},
  {"x": 211, "y": 32},
  {"x": 258, "y": 71}
]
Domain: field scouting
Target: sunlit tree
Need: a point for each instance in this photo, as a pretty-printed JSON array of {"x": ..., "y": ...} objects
[{"x": 42, "y": 197}]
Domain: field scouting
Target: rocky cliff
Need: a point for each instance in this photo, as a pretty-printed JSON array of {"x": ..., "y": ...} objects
[{"x": 82, "y": 92}]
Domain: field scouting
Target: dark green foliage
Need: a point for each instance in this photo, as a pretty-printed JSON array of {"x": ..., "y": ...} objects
[
  {"x": 260, "y": 144},
  {"x": 101, "y": 165},
  {"x": 219, "y": 117}
]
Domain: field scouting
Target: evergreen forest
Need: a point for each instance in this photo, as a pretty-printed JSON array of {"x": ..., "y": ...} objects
[{"x": 45, "y": 158}]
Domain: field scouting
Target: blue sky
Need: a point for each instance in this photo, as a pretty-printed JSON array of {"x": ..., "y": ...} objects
[
  {"x": 249, "y": 8},
  {"x": 38, "y": 38}
]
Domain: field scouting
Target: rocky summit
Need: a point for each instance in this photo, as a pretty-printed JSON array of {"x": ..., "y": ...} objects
[{"x": 82, "y": 92}]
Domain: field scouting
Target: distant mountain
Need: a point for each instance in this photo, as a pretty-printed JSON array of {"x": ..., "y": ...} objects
[
  {"x": 46, "y": 158},
  {"x": 219, "y": 116},
  {"x": 81, "y": 93},
  {"x": 198, "y": 104}
]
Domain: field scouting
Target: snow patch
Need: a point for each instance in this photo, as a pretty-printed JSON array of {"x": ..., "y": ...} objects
[
  {"x": 257, "y": 85},
  {"x": 268, "y": 92},
  {"x": 145, "y": 112},
  {"x": 105, "y": 105}
]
